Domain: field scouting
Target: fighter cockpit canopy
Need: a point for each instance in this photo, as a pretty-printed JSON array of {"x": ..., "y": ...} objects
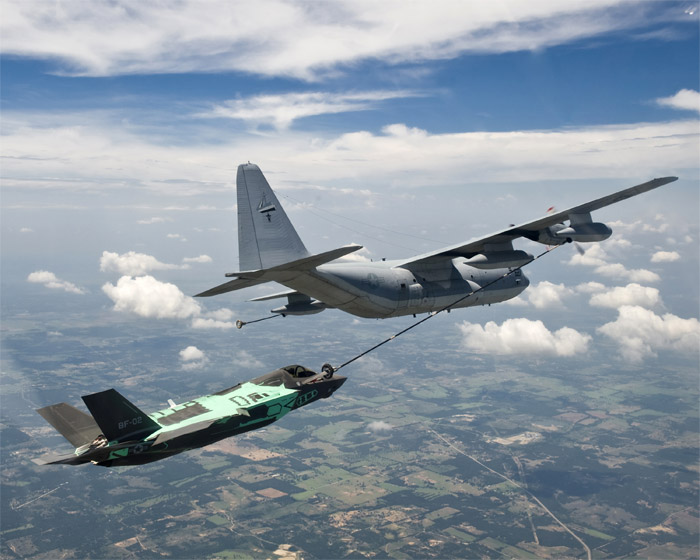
[{"x": 298, "y": 371}]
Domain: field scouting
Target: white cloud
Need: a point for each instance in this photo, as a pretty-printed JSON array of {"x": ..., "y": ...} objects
[
  {"x": 304, "y": 40},
  {"x": 379, "y": 426},
  {"x": 50, "y": 280},
  {"x": 204, "y": 323},
  {"x": 94, "y": 151},
  {"x": 223, "y": 314},
  {"x": 665, "y": 256},
  {"x": 524, "y": 337},
  {"x": 546, "y": 294},
  {"x": 619, "y": 271},
  {"x": 192, "y": 358},
  {"x": 685, "y": 99},
  {"x": 661, "y": 225},
  {"x": 632, "y": 294},
  {"x": 200, "y": 259},
  {"x": 596, "y": 256},
  {"x": 361, "y": 255},
  {"x": 245, "y": 359},
  {"x": 147, "y": 297},
  {"x": 191, "y": 353},
  {"x": 134, "y": 264},
  {"x": 590, "y": 288},
  {"x": 281, "y": 110},
  {"x": 642, "y": 333},
  {"x": 26, "y": 230}
]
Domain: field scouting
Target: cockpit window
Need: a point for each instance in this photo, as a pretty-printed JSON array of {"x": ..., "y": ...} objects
[{"x": 298, "y": 371}]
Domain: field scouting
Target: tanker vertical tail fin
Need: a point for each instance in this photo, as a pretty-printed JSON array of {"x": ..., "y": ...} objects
[{"x": 266, "y": 237}]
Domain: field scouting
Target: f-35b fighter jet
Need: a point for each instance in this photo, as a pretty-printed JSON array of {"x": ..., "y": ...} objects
[{"x": 118, "y": 433}]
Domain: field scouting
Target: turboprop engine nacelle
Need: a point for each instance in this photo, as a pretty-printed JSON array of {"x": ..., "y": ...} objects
[
  {"x": 301, "y": 308},
  {"x": 499, "y": 259},
  {"x": 585, "y": 233}
]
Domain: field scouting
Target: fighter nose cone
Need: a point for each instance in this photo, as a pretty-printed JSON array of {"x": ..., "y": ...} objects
[
  {"x": 333, "y": 384},
  {"x": 338, "y": 381}
]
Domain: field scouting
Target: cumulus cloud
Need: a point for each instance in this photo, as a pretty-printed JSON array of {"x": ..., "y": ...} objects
[
  {"x": 223, "y": 314},
  {"x": 632, "y": 294},
  {"x": 50, "y": 280},
  {"x": 523, "y": 336},
  {"x": 192, "y": 358},
  {"x": 207, "y": 323},
  {"x": 309, "y": 40},
  {"x": 133, "y": 264},
  {"x": 245, "y": 359},
  {"x": 596, "y": 256},
  {"x": 665, "y": 256},
  {"x": 660, "y": 225},
  {"x": 147, "y": 297},
  {"x": 546, "y": 294},
  {"x": 642, "y": 333},
  {"x": 590, "y": 288},
  {"x": 685, "y": 99},
  {"x": 619, "y": 271},
  {"x": 379, "y": 426},
  {"x": 361, "y": 255}
]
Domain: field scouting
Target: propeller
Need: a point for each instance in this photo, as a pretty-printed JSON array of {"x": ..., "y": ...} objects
[{"x": 581, "y": 250}]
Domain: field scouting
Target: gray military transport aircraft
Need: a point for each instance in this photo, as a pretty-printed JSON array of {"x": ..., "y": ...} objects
[
  {"x": 269, "y": 249},
  {"x": 118, "y": 433}
]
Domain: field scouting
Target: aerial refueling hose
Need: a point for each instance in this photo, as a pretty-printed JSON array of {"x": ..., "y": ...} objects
[{"x": 446, "y": 308}]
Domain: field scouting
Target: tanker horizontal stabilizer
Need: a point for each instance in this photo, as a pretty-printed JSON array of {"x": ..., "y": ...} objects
[
  {"x": 279, "y": 273},
  {"x": 277, "y": 295}
]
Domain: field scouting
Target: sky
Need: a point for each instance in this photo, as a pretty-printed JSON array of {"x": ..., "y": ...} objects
[{"x": 402, "y": 126}]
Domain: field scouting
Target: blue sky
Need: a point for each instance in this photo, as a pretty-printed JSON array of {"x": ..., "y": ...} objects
[{"x": 123, "y": 125}]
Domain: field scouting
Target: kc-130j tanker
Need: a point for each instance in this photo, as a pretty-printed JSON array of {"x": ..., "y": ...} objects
[
  {"x": 270, "y": 250},
  {"x": 118, "y": 433}
]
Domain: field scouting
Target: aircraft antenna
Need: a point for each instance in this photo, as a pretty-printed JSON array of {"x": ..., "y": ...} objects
[{"x": 447, "y": 307}]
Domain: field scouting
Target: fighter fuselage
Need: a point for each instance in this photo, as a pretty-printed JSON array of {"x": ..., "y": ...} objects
[{"x": 205, "y": 420}]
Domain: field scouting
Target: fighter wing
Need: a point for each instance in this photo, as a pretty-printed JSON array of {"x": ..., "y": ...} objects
[
  {"x": 191, "y": 428},
  {"x": 581, "y": 228}
]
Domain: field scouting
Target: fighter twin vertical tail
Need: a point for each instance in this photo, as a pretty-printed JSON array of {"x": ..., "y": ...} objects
[{"x": 118, "y": 418}]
